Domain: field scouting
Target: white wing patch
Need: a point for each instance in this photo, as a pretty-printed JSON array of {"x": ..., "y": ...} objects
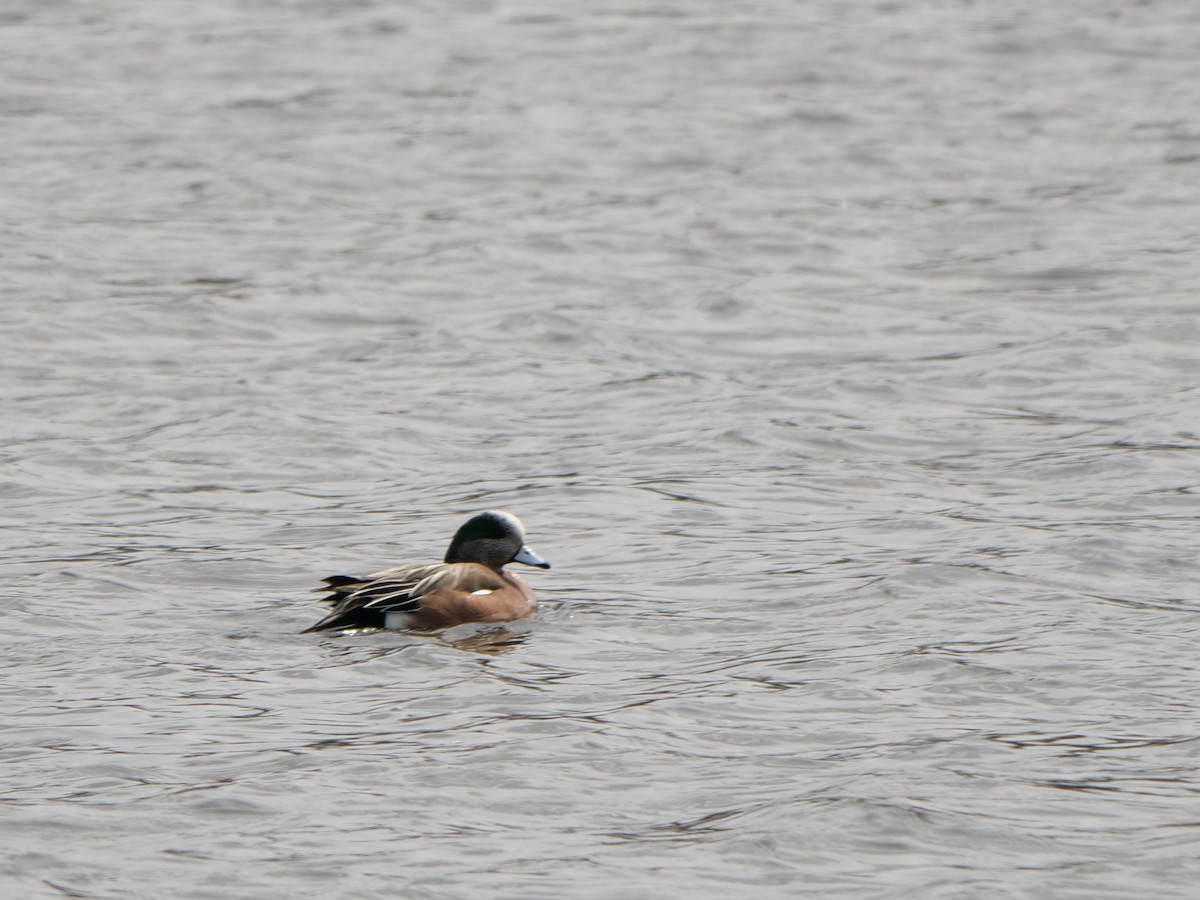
[
  {"x": 397, "y": 621},
  {"x": 482, "y": 592}
]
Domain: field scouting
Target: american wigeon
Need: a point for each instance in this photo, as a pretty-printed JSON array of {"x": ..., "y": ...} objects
[{"x": 469, "y": 586}]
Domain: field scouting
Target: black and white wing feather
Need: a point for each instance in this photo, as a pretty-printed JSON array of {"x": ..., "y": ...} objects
[{"x": 365, "y": 602}]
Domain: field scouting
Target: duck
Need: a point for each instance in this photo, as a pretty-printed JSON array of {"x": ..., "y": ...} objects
[{"x": 469, "y": 585}]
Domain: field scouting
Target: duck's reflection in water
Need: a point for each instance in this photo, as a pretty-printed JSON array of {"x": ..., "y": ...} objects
[{"x": 490, "y": 640}]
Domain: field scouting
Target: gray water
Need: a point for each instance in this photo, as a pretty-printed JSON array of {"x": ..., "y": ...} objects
[{"x": 841, "y": 356}]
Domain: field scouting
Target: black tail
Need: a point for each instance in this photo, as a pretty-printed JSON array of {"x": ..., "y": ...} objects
[
  {"x": 336, "y": 581},
  {"x": 350, "y": 618}
]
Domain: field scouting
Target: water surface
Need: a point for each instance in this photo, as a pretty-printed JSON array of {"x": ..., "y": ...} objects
[{"x": 840, "y": 356}]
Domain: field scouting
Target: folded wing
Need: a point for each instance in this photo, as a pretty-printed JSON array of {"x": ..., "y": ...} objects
[{"x": 365, "y": 602}]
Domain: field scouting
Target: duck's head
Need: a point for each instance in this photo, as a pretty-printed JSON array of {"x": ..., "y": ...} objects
[{"x": 494, "y": 538}]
